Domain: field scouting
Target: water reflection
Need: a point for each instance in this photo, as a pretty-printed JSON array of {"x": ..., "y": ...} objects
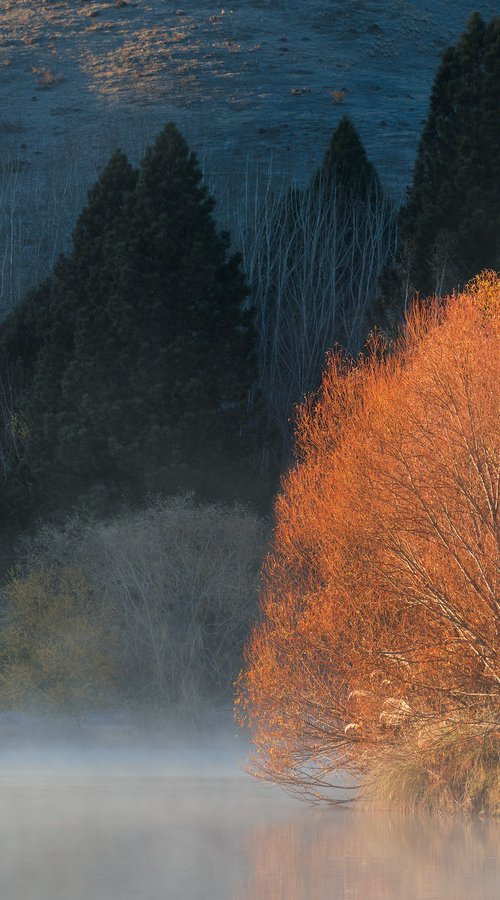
[
  {"x": 156, "y": 837},
  {"x": 346, "y": 854}
]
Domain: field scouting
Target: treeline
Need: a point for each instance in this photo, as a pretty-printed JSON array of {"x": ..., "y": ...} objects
[
  {"x": 131, "y": 365},
  {"x": 148, "y": 363},
  {"x": 155, "y": 361}
]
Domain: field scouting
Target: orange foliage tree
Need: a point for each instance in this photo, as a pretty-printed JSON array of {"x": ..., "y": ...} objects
[{"x": 380, "y": 609}]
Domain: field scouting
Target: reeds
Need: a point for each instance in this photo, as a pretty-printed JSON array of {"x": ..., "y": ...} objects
[{"x": 447, "y": 766}]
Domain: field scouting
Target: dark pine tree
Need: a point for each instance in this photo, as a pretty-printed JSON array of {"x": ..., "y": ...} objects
[
  {"x": 191, "y": 363},
  {"x": 78, "y": 292},
  {"x": 450, "y": 225},
  {"x": 22, "y": 341},
  {"x": 346, "y": 164},
  {"x": 154, "y": 398}
]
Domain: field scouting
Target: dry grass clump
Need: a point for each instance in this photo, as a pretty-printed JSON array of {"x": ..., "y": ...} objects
[
  {"x": 448, "y": 766},
  {"x": 338, "y": 96},
  {"x": 45, "y": 78}
]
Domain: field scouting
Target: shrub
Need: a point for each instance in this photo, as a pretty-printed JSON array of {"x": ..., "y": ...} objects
[
  {"x": 177, "y": 583},
  {"x": 56, "y": 645},
  {"x": 45, "y": 78}
]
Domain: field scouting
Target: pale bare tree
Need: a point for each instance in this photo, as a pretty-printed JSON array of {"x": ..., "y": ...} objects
[
  {"x": 312, "y": 258},
  {"x": 179, "y": 584}
]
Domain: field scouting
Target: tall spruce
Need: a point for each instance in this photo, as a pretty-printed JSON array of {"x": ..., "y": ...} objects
[
  {"x": 450, "y": 225},
  {"x": 346, "y": 164},
  {"x": 78, "y": 293},
  {"x": 154, "y": 396},
  {"x": 182, "y": 296},
  {"x": 21, "y": 341}
]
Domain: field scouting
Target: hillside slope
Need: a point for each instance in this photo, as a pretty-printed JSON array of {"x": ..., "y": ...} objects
[{"x": 259, "y": 79}]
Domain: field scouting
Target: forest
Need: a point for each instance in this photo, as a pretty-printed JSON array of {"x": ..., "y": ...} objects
[{"x": 283, "y": 438}]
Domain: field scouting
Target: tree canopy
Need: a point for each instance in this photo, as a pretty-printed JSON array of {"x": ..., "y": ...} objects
[
  {"x": 140, "y": 358},
  {"x": 346, "y": 165},
  {"x": 451, "y": 220},
  {"x": 380, "y": 621}
]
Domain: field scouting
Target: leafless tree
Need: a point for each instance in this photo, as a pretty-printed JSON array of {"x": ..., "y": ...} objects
[
  {"x": 312, "y": 258},
  {"x": 37, "y": 215},
  {"x": 179, "y": 582}
]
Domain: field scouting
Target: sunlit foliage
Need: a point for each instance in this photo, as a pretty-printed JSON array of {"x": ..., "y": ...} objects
[{"x": 380, "y": 613}]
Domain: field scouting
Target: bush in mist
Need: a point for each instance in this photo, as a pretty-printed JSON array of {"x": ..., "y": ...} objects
[
  {"x": 56, "y": 643},
  {"x": 175, "y": 583},
  {"x": 378, "y": 647}
]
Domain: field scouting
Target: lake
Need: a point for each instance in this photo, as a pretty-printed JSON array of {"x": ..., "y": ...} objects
[{"x": 157, "y": 830}]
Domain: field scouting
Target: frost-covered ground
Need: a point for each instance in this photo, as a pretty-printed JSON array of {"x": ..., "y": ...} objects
[{"x": 256, "y": 79}]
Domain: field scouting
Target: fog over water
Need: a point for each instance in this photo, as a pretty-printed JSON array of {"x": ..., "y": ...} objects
[{"x": 129, "y": 819}]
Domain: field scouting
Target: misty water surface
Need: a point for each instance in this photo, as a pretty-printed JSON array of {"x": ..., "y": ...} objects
[{"x": 187, "y": 824}]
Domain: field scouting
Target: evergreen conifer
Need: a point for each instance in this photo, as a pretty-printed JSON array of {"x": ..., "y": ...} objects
[
  {"x": 181, "y": 345},
  {"x": 346, "y": 164},
  {"x": 452, "y": 217},
  {"x": 145, "y": 359},
  {"x": 77, "y": 297}
]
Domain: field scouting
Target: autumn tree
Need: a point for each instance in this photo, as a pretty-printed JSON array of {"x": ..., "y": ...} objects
[{"x": 380, "y": 614}]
